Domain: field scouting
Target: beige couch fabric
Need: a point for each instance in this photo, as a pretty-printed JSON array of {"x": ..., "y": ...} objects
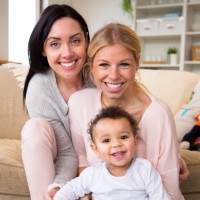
[
  {"x": 13, "y": 184},
  {"x": 12, "y": 113},
  {"x": 11, "y": 168},
  {"x": 174, "y": 87}
]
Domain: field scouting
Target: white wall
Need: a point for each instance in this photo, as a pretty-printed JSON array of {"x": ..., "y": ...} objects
[
  {"x": 4, "y": 30},
  {"x": 22, "y": 18},
  {"x": 49, "y": 2},
  {"x": 98, "y": 12}
]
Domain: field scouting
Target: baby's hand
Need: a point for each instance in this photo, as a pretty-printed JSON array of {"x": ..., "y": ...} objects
[
  {"x": 184, "y": 172},
  {"x": 86, "y": 197},
  {"x": 51, "y": 193}
]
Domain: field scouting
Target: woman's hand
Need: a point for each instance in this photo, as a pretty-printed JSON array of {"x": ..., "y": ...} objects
[
  {"x": 86, "y": 197},
  {"x": 51, "y": 193},
  {"x": 184, "y": 172}
]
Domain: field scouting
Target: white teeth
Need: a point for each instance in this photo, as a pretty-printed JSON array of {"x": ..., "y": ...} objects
[
  {"x": 67, "y": 64},
  {"x": 119, "y": 153},
  {"x": 113, "y": 86}
]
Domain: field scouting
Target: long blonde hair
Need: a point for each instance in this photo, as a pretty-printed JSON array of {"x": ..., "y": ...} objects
[{"x": 111, "y": 34}]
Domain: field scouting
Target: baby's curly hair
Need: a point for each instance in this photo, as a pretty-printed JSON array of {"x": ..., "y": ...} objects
[{"x": 112, "y": 112}]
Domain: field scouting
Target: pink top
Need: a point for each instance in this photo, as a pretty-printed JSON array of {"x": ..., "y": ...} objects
[{"x": 157, "y": 132}]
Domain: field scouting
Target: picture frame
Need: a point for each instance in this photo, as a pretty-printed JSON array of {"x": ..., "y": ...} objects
[{"x": 195, "y": 53}]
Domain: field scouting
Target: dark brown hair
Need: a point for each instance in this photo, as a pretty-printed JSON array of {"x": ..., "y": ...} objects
[
  {"x": 112, "y": 112},
  {"x": 38, "y": 62}
]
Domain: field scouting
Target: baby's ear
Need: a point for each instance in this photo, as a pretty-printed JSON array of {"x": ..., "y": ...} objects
[
  {"x": 136, "y": 139},
  {"x": 94, "y": 148}
]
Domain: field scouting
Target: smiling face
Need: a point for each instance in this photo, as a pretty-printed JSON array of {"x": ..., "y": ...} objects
[
  {"x": 115, "y": 143},
  {"x": 114, "y": 69},
  {"x": 65, "y": 48}
]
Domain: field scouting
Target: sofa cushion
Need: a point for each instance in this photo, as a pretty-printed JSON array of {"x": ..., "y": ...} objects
[
  {"x": 174, "y": 88},
  {"x": 12, "y": 113},
  {"x": 13, "y": 180},
  {"x": 190, "y": 157}
]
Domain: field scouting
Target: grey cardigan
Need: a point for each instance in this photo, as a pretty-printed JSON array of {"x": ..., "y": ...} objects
[{"x": 43, "y": 100}]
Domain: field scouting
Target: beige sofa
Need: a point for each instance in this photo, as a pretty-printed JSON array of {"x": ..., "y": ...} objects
[
  {"x": 174, "y": 87},
  {"x": 13, "y": 185}
]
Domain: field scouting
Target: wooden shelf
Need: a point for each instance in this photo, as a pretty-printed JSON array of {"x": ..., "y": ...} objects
[
  {"x": 158, "y": 66},
  {"x": 190, "y": 62},
  {"x": 158, "y": 38},
  {"x": 154, "y": 63}
]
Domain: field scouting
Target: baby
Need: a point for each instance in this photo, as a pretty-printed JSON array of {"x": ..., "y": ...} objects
[{"x": 120, "y": 175}]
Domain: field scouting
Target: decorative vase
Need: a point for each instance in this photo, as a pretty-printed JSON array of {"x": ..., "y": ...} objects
[{"x": 173, "y": 59}]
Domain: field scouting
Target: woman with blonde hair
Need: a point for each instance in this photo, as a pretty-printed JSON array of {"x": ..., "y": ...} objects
[{"x": 113, "y": 60}]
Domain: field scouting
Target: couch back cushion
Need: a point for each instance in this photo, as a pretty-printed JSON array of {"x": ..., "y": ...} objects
[
  {"x": 172, "y": 86},
  {"x": 12, "y": 113}
]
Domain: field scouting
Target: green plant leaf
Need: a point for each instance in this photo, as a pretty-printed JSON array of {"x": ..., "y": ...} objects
[
  {"x": 172, "y": 50},
  {"x": 127, "y": 7}
]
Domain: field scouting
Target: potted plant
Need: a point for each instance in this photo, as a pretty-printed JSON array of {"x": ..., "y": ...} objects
[
  {"x": 173, "y": 56},
  {"x": 172, "y": 50},
  {"x": 127, "y": 7}
]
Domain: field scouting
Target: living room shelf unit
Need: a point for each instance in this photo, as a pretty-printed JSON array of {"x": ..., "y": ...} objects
[
  {"x": 192, "y": 37},
  {"x": 162, "y": 24}
]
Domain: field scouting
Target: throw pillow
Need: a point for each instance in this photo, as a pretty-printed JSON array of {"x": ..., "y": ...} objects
[
  {"x": 184, "y": 118},
  {"x": 19, "y": 71}
]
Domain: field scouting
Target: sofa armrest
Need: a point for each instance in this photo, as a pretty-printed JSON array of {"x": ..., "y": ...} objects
[{"x": 12, "y": 113}]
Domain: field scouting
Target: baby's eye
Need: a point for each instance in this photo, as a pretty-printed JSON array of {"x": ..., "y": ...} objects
[
  {"x": 106, "y": 141},
  {"x": 123, "y": 137}
]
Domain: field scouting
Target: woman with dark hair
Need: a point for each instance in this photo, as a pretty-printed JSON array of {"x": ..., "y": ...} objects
[{"x": 57, "y": 53}]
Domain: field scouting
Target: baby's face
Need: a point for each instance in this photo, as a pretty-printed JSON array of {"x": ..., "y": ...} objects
[{"x": 114, "y": 142}]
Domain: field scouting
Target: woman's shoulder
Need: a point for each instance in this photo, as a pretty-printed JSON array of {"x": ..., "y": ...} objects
[
  {"x": 157, "y": 112},
  {"x": 159, "y": 106},
  {"x": 40, "y": 80},
  {"x": 41, "y": 86},
  {"x": 86, "y": 95}
]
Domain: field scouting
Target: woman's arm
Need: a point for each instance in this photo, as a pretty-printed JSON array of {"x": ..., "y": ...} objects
[
  {"x": 184, "y": 172},
  {"x": 66, "y": 163},
  {"x": 78, "y": 140},
  {"x": 77, "y": 123},
  {"x": 162, "y": 147},
  {"x": 42, "y": 102},
  {"x": 168, "y": 165}
]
